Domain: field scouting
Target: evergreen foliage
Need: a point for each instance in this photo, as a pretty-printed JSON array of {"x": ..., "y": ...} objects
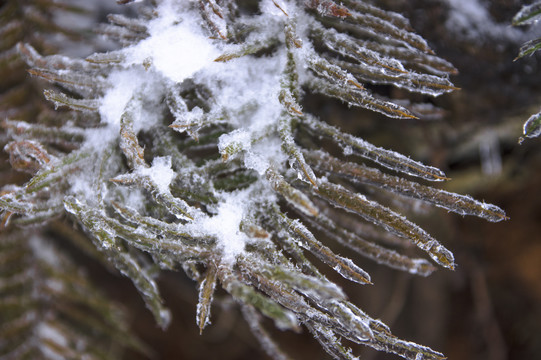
[{"x": 189, "y": 149}]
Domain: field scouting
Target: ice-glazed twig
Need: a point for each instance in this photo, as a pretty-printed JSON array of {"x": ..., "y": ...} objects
[
  {"x": 283, "y": 318},
  {"x": 254, "y": 320},
  {"x": 61, "y": 99}
]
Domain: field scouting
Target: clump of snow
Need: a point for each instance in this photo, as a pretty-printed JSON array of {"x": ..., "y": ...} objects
[
  {"x": 134, "y": 197},
  {"x": 245, "y": 90},
  {"x": 247, "y": 87},
  {"x": 124, "y": 84},
  {"x": 176, "y": 47},
  {"x": 160, "y": 172},
  {"x": 256, "y": 161},
  {"x": 55, "y": 285},
  {"x": 225, "y": 224},
  {"x": 265, "y": 154},
  {"x": 146, "y": 86},
  {"x": 239, "y": 139}
]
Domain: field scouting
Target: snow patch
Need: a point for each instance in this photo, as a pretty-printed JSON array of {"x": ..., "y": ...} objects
[
  {"x": 176, "y": 46},
  {"x": 124, "y": 83},
  {"x": 224, "y": 225},
  {"x": 160, "y": 172}
]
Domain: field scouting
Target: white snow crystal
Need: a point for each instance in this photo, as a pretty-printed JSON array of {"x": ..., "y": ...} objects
[
  {"x": 239, "y": 138},
  {"x": 176, "y": 46},
  {"x": 224, "y": 225},
  {"x": 160, "y": 172},
  {"x": 124, "y": 83}
]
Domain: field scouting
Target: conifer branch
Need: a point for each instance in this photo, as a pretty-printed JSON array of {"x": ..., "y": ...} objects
[{"x": 186, "y": 147}]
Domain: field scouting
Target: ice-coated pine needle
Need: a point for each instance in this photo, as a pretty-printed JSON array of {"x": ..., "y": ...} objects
[
  {"x": 254, "y": 320},
  {"x": 380, "y": 215},
  {"x": 461, "y": 204},
  {"x": 126, "y": 264},
  {"x": 390, "y": 159},
  {"x": 343, "y": 266},
  {"x": 373, "y": 251}
]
